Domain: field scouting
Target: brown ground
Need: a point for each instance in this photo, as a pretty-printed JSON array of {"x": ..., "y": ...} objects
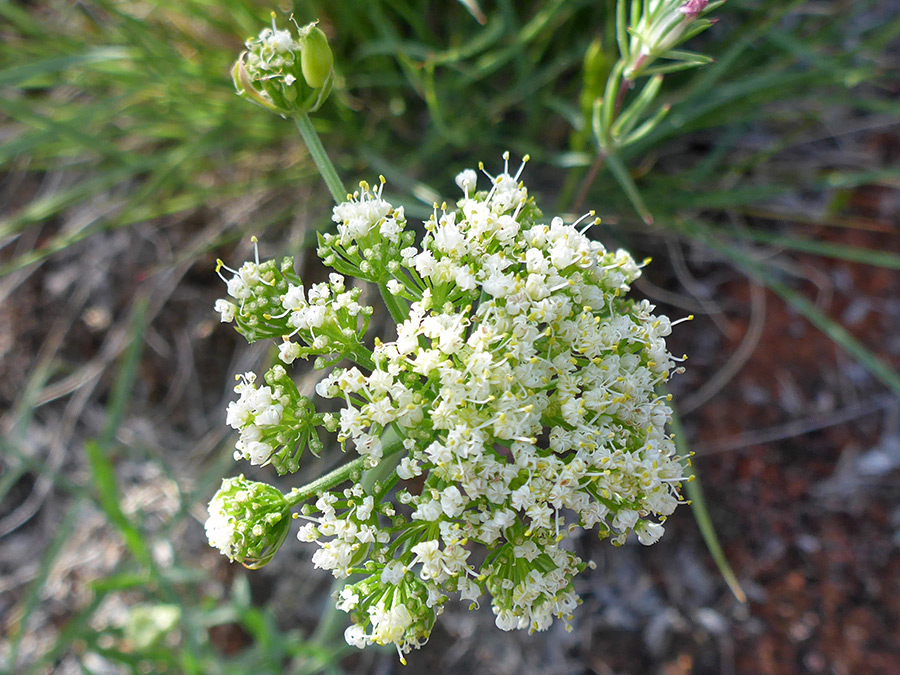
[{"x": 799, "y": 455}]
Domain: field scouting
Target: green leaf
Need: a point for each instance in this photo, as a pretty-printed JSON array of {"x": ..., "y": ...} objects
[
  {"x": 622, "y": 30},
  {"x": 646, "y": 127},
  {"x": 621, "y": 174},
  {"x": 666, "y": 68},
  {"x": 633, "y": 113}
]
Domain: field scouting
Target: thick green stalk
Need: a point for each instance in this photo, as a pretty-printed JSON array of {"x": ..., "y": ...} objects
[
  {"x": 320, "y": 157},
  {"x": 337, "y": 476}
]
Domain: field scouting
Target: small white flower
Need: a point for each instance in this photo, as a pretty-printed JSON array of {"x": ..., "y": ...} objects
[
  {"x": 393, "y": 573},
  {"x": 355, "y": 636},
  {"x": 650, "y": 533},
  {"x": 288, "y": 351},
  {"x": 226, "y": 310},
  {"x": 466, "y": 180}
]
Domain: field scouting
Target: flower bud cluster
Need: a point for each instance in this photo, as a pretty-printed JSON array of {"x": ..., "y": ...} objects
[
  {"x": 370, "y": 233},
  {"x": 285, "y": 74},
  {"x": 275, "y": 422},
  {"x": 661, "y": 26},
  {"x": 517, "y": 402},
  {"x": 248, "y": 521}
]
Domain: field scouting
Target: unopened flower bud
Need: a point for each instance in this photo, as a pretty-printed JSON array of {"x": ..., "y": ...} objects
[
  {"x": 693, "y": 8},
  {"x": 248, "y": 521},
  {"x": 316, "y": 59},
  {"x": 661, "y": 29}
]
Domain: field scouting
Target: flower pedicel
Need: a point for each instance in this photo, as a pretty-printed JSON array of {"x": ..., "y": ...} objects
[{"x": 519, "y": 401}]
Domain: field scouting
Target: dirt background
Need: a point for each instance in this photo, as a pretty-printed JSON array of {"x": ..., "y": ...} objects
[{"x": 797, "y": 447}]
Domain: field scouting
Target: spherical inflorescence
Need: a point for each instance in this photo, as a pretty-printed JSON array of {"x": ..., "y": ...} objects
[
  {"x": 520, "y": 398},
  {"x": 248, "y": 521}
]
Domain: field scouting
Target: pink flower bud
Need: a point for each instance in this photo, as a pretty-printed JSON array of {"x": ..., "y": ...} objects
[{"x": 692, "y": 8}]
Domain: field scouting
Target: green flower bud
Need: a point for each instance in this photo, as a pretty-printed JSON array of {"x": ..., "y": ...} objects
[
  {"x": 316, "y": 59},
  {"x": 284, "y": 74},
  {"x": 248, "y": 521}
]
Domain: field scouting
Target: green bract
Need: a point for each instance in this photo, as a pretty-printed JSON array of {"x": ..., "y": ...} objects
[{"x": 316, "y": 59}]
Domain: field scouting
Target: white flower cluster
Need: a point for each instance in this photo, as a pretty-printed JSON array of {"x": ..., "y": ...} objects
[
  {"x": 370, "y": 232},
  {"x": 518, "y": 400},
  {"x": 275, "y": 422},
  {"x": 327, "y": 318},
  {"x": 524, "y": 385}
]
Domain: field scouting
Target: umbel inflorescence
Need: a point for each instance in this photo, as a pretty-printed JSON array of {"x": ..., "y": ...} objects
[{"x": 519, "y": 400}]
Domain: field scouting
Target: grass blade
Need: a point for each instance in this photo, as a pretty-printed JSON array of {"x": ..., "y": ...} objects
[
  {"x": 834, "y": 330},
  {"x": 694, "y": 492},
  {"x": 102, "y": 472}
]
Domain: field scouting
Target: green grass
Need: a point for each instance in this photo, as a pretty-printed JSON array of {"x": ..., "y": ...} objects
[{"x": 127, "y": 108}]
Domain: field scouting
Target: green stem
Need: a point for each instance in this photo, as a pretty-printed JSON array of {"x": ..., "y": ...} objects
[
  {"x": 397, "y": 308},
  {"x": 337, "y": 476},
  {"x": 326, "y": 169},
  {"x": 320, "y": 157}
]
